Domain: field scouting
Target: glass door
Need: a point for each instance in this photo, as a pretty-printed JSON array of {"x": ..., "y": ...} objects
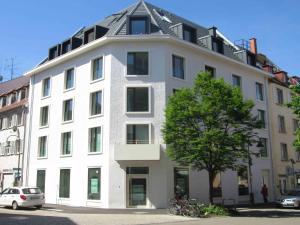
[{"x": 137, "y": 191}]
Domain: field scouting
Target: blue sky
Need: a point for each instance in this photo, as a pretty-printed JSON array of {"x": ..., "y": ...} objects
[{"x": 29, "y": 28}]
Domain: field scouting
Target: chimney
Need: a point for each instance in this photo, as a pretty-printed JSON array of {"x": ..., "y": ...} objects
[
  {"x": 253, "y": 45},
  {"x": 212, "y": 31},
  {"x": 281, "y": 76},
  {"x": 267, "y": 68}
]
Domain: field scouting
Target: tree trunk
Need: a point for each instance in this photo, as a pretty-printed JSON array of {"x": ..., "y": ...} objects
[{"x": 210, "y": 181}]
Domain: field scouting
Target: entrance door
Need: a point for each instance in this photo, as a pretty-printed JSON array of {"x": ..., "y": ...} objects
[
  {"x": 137, "y": 191},
  {"x": 282, "y": 185}
]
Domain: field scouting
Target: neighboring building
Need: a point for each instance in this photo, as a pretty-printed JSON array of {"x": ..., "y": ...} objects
[
  {"x": 97, "y": 108},
  {"x": 286, "y": 161},
  {"x": 13, "y": 103}
]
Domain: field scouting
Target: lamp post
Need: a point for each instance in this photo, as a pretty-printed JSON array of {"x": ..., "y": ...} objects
[{"x": 17, "y": 135}]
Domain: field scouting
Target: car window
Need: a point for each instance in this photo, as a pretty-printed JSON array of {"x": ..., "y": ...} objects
[
  {"x": 293, "y": 193},
  {"x": 14, "y": 191},
  {"x": 5, "y": 191},
  {"x": 27, "y": 191}
]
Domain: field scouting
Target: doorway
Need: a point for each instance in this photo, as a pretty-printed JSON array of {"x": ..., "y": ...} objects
[{"x": 137, "y": 191}]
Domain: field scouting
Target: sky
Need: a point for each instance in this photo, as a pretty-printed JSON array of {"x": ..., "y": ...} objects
[{"x": 30, "y": 27}]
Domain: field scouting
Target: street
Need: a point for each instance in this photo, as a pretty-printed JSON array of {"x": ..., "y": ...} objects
[{"x": 61, "y": 215}]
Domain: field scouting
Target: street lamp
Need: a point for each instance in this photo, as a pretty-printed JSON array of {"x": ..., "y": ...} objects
[{"x": 17, "y": 135}]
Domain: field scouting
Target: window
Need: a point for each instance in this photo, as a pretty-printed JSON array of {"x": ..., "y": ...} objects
[
  {"x": 178, "y": 66},
  {"x": 210, "y": 70},
  {"x": 42, "y": 152},
  {"x": 23, "y": 94},
  {"x": 298, "y": 155},
  {"x": 217, "y": 186},
  {"x": 281, "y": 124},
  {"x": 279, "y": 96},
  {"x": 264, "y": 149},
  {"x": 64, "y": 183},
  {"x": 19, "y": 119},
  {"x": 69, "y": 79},
  {"x": 138, "y": 99},
  {"x": 68, "y": 110},
  {"x": 94, "y": 185},
  {"x": 138, "y": 134},
  {"x": 4, "y": 99},
  {"x": 97, "y": 69},
  {"x": 96, "y": 103},
  {"x": 217, "y": 45},
  {"x": 189, "y": 34},
  {"x": 181, "y": 182},
  {"x": 138, "y": 25},
  {"x": 95, "y": 140},
  {"x": 295, "y": 125},
  {"x": 236, "y": 81},
  {"x": 1, "y": 123},
  {"x": 66, "y": 144},
  {"x": 44, "y": 116},
  {"x": 243, "y": 181},
  {"x": 259, "y": 91},
  {"x": 41, "y": 179},
  {"x": 284, "y": 152},
  {"x": 13, "y": 98},
  {"x": 137, "y": 63},
  {"x": 46, "y": 87},
  {"x": 262, "y": 117}
]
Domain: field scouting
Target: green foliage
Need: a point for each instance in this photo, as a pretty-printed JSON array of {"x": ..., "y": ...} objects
[
  {"x": 295, "y": 106},
  {"x": 209, "y": 126},
  {"x": 215, "y": 210}
]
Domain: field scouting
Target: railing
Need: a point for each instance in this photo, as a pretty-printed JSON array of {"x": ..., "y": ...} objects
[{"x": 137, "y": 142}]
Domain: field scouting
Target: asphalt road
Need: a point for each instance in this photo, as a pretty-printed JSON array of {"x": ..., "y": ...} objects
[{"x": 58, "y": 215}]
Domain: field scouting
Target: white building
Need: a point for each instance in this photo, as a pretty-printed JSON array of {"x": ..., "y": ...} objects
[
  {"x": 97, "y": 107},
  {"x": 13, "y": 101}
]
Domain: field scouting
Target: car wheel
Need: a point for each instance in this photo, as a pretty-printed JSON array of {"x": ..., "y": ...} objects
[
  {"x": 15, "y": 205},
  {"x": 38, "y": 206}
]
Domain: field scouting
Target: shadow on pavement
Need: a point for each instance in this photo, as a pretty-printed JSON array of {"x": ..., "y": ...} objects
[
  {"x": 17, "y": 219},
  {"x": 269, "y": 213}
]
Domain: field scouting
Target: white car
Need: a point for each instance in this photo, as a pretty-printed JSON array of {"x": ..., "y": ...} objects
[
  {"x": 22, "y": 197},
  {"x": 290, "y": 199}
]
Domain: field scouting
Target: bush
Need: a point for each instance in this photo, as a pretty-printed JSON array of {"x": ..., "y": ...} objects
[{"x": 215, "y": 210}]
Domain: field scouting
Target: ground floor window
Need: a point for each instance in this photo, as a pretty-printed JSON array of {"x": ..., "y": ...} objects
[
  {"x": 64, "y": 183},
  {"x": 217, "y": 186},
  {"x": 181, "y": 182},
  {"x": 40, "y": 179},
  {"x": 94, "y": 183},
  {"x": 243, "y": 180}
]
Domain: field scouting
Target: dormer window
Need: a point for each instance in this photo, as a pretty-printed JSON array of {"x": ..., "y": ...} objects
[
  {"x": 189, "y": 34},
  {"x": 217, "y": 45},
  {"x": 138, "y": 25},
  {"x": 54, "y": 52},
  {"x": 251, "y": 59},
  {"x": 66, "y": 46}
]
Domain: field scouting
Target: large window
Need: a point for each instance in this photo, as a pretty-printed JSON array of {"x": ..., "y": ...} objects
[
  {"x": 97, "y": 69},
  {"x": 181, "y": 182},
  {"x": 68, "y": 110},
  {"x": 69, "y": 79},
  {"x": 243, "y": 180},
  {"x": 46, "y": 87},
  {"x": 95, "y": 142},
  {"x": 217, "y": 186},
  {"x": 138, "y": 134},
  {"x": 178, "y": 66},
  {"x": 137, "y": 63},
  {"x": 281, "y": 124},
  {"x": 210, "y": 70},
  {"x": 41, "y": 179},
  {"x": 262, "y": 117},
  {"x": 94, "y": 184},
  {"x": 138, "y": 25},
  {"x": 96, "y": 103},
  {"x": 42, "y": 152},
  {"x": 259, "y": 91},
  {"x": 44, "y": 117},
  {"x": 64, "y": 183},
  {"x": 295, "y": 125},
  {"x": 66, "y": 143},
  {"x": 284, "y": 151},
  {"x": 236, "y": 81},
  {"x": 264, "y": 149},
  {"x": 138, "y": 99},
  {"x": 279, "y": 96}
]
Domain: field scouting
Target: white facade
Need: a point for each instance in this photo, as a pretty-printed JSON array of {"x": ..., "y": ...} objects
[{"x": 113, "y": 120}]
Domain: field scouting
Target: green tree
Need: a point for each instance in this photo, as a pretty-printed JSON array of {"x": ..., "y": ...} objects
[
  {"x": 295, "y": 106},
  {"x": 209, "y": 126}
]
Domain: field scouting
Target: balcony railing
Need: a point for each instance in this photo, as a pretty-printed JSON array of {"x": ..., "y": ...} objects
[{"x": 137, "y": 142}]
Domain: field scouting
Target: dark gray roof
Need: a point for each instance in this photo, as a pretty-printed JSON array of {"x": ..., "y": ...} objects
[
  {"x": 12, "y": 85},
  {"x": 162, "y": 22}
]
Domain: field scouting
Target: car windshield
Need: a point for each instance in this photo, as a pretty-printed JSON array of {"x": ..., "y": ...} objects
[
  {"x": 293, "y": 193},
  {"x": 31, "y": 191}
]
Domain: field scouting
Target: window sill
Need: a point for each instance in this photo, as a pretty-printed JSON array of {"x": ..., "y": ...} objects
[
  {"x": 66, "y": 156},
  {"x": 137, "y": 113},
  {"x": 93, "y": 201},
  {"x": 96, "y": 116},
  {"x": 68, "y": 90},
  {"x": 178, "y": 79},
  {"x": 96, "y": 81},
  {"x": 42, "y": 158},
  {"x": 44, "y": 127},
  {"x": 45, "y": 97},
  {"x": 95, "y": 153},
  {"x": 67, "y": 122},
  {"x": 135, "y": 75}
]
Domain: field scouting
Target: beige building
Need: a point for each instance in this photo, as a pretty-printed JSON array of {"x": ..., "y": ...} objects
[{"x": 283, "y": 124}]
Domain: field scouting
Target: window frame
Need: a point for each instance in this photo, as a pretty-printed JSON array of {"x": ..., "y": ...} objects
[
  {"x": 282, "y": 152},
  {"x": 63, "y": 111},
  {"x": 279, "y": 101},
  {"x": 70, "y": 174},
  {"x": 139, "y": 123},
  {"x": 101, "y": 141},
  {"x": 147, "y": 20},
  {"x": 92, "y": 69},
  {"x": 283, "y": 130},
  {"x": 100, "y": 188},
  {"x": 65, "y": 79},
  {"x": 265, "y": 143},
  {"x": 62, "y": 144},
  {"x": 184, "y": 66},
  {"x": 233, "y": 76},
  {"x": 37, "y": 170},
  {"x": 149, "y": 98},
  {"x": 43, "y": 85},
  {"x": 46, "y": 146},
  {"x": 48, "y": 116},
  {"x": 264, "y": 119},
  {"x": 102, "y": 104},
  {"x": 206, "y": 67},
  {"x": 258, "y": 84},
  {"x": 149, "y": 63}
]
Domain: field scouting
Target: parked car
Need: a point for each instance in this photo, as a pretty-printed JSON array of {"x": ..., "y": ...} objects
[
  {"x": 22, "y": 197},
  {"x": 290, "y": 199}
]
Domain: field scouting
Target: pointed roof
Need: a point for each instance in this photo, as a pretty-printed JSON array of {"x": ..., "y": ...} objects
[{"x": 13, "y": 85}]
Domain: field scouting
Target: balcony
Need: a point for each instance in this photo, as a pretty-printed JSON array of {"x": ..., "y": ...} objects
[{"x": 137, "y": 150}]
